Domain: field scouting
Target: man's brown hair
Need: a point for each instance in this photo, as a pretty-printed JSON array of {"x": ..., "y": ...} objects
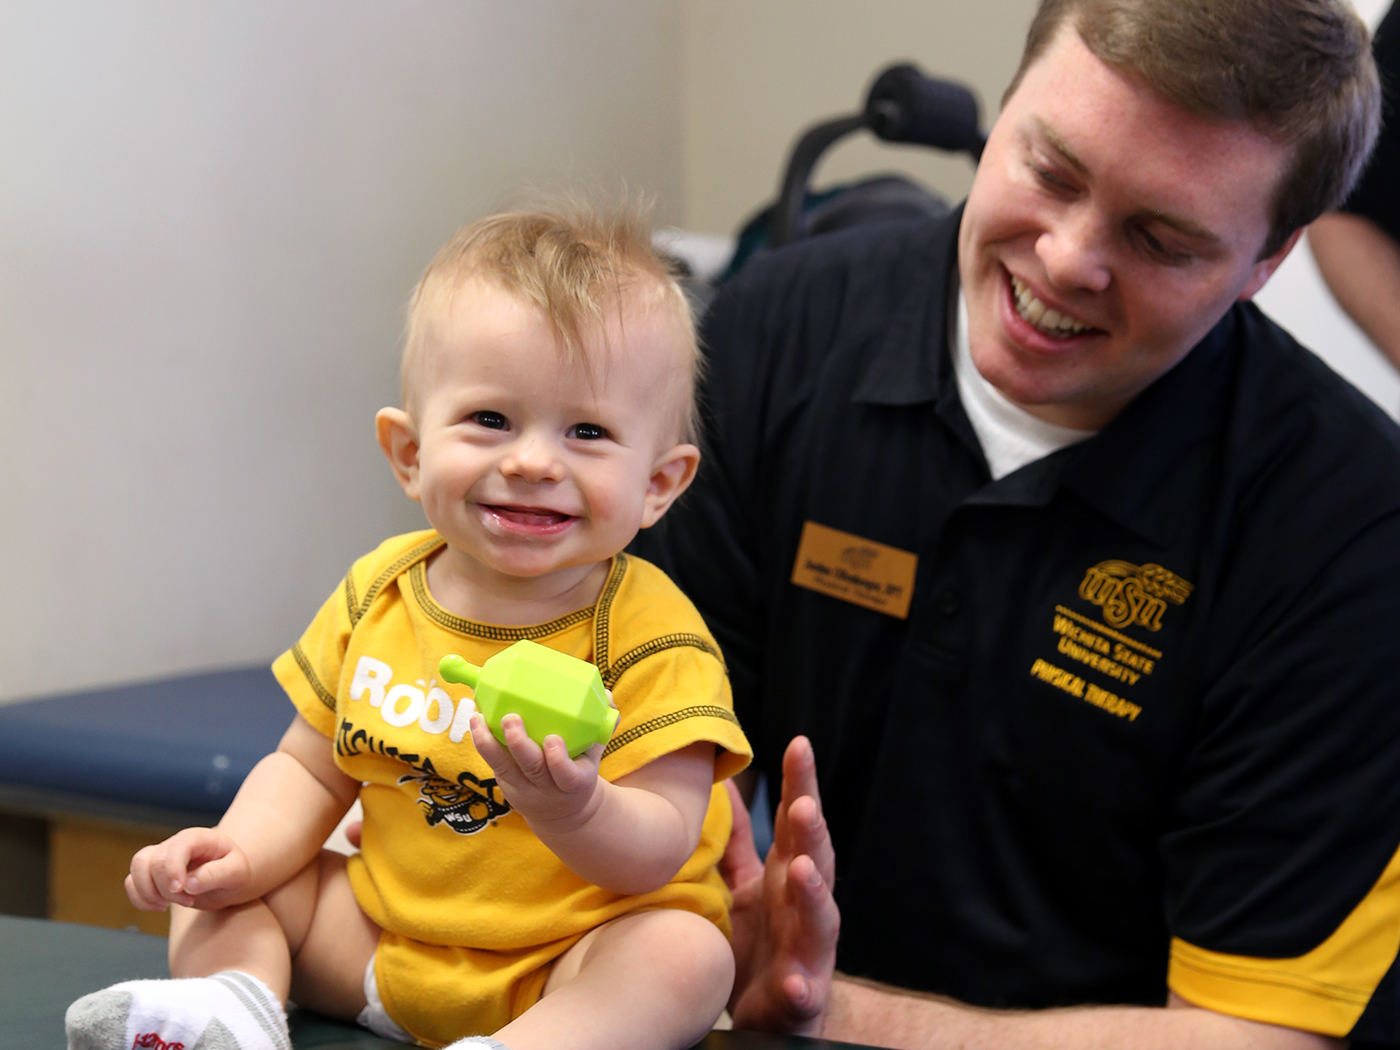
[
  {"x": 1298, "y": 71},
  {"x": 574, "y": 263}
]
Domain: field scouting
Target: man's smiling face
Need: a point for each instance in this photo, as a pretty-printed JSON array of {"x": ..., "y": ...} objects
[{"x": 1106, "y": 233}]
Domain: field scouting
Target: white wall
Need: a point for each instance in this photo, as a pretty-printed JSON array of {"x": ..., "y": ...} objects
[{"x": 210, "y": 217}]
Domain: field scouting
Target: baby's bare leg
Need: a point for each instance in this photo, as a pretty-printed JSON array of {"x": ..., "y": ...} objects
[
  {"x": 652, "y": 980},
  {"x": 308, "y": 938},
  {"x": 232, "y": 970}
]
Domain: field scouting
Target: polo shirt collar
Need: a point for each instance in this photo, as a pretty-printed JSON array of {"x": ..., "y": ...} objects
[
  {"x": 1137, "y": 471},
  {"x": 1145, "y": 469}
]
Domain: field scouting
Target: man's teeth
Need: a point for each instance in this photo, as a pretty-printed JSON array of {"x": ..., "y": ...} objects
[{"x": 1051, "y": 322}]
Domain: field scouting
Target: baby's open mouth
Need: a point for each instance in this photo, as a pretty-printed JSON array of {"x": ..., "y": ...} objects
[{"x": 532, "y": 517}]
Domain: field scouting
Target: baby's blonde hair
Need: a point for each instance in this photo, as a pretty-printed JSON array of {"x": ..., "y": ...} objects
[{"x": 572, "y": 261}]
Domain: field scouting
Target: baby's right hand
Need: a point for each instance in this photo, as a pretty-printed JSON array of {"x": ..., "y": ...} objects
[{"x": 198, "y": 867}]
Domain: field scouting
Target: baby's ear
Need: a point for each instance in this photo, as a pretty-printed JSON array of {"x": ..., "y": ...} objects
[
  {"x": 399, "y": 439},
  {"x": 671, "y": 475}
]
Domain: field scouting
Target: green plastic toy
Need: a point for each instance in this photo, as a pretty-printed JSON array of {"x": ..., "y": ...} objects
[{"x": 551, "y": 692}]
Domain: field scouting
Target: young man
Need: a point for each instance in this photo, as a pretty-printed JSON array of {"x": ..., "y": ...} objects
[{"x": 1080, "y": 575}]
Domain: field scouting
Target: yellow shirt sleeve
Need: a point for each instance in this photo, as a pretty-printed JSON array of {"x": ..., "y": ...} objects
[{"x": 1325, "y": 990}]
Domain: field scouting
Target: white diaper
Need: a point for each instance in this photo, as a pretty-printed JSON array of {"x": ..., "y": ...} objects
[{"x": 374, "y": 1016}]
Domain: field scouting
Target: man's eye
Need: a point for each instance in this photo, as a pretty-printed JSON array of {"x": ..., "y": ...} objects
[
  {"x": 1162, "y": 253},
  {"x": 489, "y": 420},
  {"x": 1050, "y": 178},
  {"x": 587, "y": 432}
]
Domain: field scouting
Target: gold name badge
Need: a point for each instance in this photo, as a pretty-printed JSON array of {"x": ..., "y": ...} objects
[{"x": 855, "y": 570}]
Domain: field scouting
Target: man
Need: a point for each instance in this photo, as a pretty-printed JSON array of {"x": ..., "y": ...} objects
[{"x": 1080, "y": 575}]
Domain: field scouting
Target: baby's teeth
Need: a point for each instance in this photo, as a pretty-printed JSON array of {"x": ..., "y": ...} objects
[
  {"x": 1034, "y": 311},
  {"x": 1050, "y": 319}
]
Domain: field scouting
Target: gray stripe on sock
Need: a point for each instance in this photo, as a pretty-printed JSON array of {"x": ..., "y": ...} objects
[
  {"x": 255, "y": 1001},
  {"x": 216, "y": 1036}
]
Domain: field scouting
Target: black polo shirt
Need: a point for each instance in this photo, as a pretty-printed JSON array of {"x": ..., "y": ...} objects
[{"x": 1143, "y": 710}]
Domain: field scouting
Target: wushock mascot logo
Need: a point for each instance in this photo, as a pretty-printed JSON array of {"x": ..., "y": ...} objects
[
  {"x": 1133, "y": 595},
  {"x": 413, "y": 715}
]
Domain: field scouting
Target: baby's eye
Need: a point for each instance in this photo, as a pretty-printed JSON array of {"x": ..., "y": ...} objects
[
  {"x": 489, "y": 420},
  {"x": 587, "y": 432}
]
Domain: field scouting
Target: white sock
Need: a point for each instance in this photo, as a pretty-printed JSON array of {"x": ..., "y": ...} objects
[
  {"x": 479, "y": 1042},
  {"x": 230, "y": 1010}
]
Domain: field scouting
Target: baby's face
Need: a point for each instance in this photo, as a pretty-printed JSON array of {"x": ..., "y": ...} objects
[{"x": 527, "y": 466}]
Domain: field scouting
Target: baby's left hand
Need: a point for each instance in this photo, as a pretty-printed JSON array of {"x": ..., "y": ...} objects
[{"x": 553, "y": 792}]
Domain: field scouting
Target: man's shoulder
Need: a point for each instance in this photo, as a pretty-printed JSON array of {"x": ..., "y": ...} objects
[
  {"x": 1288, "y": 401},
  {"x": 866, "y": 268},
  {"x": 855, "y": 295},
  {"x": 1308, "y": 466}
]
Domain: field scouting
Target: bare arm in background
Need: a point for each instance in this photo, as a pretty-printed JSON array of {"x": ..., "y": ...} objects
[{"x": 1361, "y": 264}]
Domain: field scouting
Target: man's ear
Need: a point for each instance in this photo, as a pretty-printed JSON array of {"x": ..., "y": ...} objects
[
  {"x": 1264, "y": 268},
  {"x": 399, "y": 440},
  {"x": 671, "y": 475}
]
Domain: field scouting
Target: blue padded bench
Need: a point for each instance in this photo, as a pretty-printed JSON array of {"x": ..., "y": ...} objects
[
  {"x": 172, "y": 751},
  {"x": 87, "y": 778}
]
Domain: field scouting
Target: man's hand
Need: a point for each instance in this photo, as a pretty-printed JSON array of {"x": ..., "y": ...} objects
[
  {"x": 198, "y": 867},
  {"x": 785, "y": 918}
]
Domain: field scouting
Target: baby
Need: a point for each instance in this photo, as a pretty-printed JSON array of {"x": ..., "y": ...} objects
[{"x": 502, "y": 891}]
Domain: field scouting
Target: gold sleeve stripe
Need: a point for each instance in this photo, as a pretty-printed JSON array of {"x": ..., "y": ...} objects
[
  {"x": 1324, "y": 991},
  {"x": 668, "y": 719},
  {"x": 322, "y": 693},
  {"x": 418, "y": 580},
  {"x": 651, "y": 648},
  {"x": 390, "y": 571}
]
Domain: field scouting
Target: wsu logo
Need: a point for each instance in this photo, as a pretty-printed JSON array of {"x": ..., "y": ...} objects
[{"x": 1133, "y": 595}]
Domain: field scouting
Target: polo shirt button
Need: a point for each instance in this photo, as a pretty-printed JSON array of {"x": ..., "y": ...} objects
[{"x": 947, "y": 603}]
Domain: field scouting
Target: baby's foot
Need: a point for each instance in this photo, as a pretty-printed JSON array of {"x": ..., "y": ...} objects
[{"x": 231, "y": 1010}]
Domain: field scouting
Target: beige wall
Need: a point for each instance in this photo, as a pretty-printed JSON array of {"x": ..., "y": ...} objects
[
  {"x": 758, "y": 71},
  {"x": 211, "y": 215}
]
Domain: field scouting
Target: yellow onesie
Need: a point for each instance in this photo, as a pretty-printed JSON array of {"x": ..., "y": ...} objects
[{"x": 473, "y": 906}]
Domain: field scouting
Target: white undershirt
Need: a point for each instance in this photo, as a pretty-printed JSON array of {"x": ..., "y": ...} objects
[{"x": 1011, "y": 437}]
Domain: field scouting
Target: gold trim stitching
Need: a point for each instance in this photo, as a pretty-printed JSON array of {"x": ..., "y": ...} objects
[
  {"x": 417, "y": 579},
  {"x": 656, "y": 645},
  {"x": 395, "y": 567},
  {"x": 668, "y": 719},
  {"x": 322, "y": 693},
  {"x": 602, "y": 624},
  {"x": 351, "y": 602}
]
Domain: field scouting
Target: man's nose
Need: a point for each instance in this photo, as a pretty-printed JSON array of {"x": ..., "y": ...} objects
[
  {"x": 1075, "y": 252},
  {"x": 533, "y": 458}
]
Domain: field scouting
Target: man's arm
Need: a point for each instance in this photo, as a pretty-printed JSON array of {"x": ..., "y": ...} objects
[
  {"x": 785, "y": 931},
  {"x": 1361, "y": 264},
  {"x": 864, "y": 1012}
]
